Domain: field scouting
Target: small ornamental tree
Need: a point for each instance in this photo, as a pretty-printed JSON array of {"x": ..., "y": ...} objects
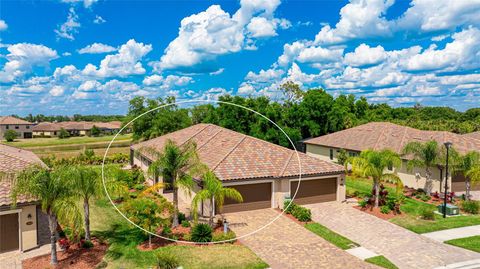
[
  {"x": 63, "y": 134},
  {"x": 10, "y": 135},
  {"x": 95, "y": 131}
]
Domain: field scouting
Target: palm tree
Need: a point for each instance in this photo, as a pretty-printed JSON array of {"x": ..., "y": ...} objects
[
  {"x": 373, "y": 164},
  {"x": 178, "y": 163},
  {"x": 55, "y": 191},
  {"x": 213, "y": 191},
  {"x": 426, "y": 155},
  {"x": 469, "y": 166}
]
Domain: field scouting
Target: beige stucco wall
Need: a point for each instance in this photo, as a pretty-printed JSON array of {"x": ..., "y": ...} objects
[
  {"x": 415, "y": 178},
  {"x": 22, "y": 128},
  {"x": 28, "y": 227},
  {"x": 45, "y": 134}
]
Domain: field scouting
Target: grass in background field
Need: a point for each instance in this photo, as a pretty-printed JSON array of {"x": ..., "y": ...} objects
[{"x": 54, "y": 141}]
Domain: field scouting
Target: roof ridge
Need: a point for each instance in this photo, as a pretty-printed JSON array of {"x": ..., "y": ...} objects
[
  {"x": 286, "y": 164},
  {"x": 378, "y": 139},
  {"x": 201, "y": 130},
  {"x": 403, "y": 138},
  {"x": 230, "y": 152},
  {"x": 210, "y": 139}
]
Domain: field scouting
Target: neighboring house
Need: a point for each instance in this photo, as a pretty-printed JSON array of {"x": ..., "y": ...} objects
[
  {"x": 384, "y": 135},
  {"x": 264, "y": 173},
  {"x": 22, "y": 127},
  {"x": 25, "y": 226},
  {"x": 75, "y": 128}
]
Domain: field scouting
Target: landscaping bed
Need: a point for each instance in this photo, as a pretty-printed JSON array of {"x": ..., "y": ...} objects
[{"x": 75, "y": 257}]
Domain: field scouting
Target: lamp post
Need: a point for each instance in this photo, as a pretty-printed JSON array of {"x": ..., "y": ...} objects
[{"x": 448, "y": 145}]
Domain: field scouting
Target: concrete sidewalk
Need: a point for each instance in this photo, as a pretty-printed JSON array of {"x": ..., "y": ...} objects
[{"x": 450, "y": 234}]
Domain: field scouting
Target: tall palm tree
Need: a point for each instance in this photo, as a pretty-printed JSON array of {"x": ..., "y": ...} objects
[
  {"x": 213, "y": 191},
  {"x": 426, "y": 155},
  {"x": 55, "y": 191},
  {"x": 178, "y": 163},
  {"x": 469, "y": 166},
  {"x": 373, "y": 164}
]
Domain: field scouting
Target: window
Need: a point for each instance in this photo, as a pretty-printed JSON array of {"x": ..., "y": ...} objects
[
  {"x": 16, "y": 127},
  {"x": 28, "y": 127},
  {"x": 331, "y": 154},
  {"x": 7, "y": 127}
]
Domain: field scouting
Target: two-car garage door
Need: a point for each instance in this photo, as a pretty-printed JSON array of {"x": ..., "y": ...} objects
[{"x": 314, "y": 191}]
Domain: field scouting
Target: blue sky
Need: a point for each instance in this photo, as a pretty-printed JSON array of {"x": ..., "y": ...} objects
[{"x": 92, "y": 56}]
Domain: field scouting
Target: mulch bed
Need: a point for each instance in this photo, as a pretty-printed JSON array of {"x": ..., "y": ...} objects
[
  {"x": 75, "y": 257},
  {"x": 375, "y": 211}
]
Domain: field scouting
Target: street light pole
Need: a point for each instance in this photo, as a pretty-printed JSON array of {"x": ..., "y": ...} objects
[{"x": 447, "y": 145}]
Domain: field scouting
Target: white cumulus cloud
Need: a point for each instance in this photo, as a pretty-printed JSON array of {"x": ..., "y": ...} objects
[{"x": 97, "y": 48}]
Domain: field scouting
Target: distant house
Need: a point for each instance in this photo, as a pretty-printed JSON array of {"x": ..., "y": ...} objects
[
  {"x": 75, "y": 128},
  {"x": 25, "y": 226},
  {"x": 22, "y": 127},
  {"x": 384, "y": 135},
  {"x": 264, "y": 173}
]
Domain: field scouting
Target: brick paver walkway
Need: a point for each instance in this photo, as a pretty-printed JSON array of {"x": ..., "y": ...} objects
[
  {"x": 286, "y": 244},
  {"x": 401, "y": 246}
]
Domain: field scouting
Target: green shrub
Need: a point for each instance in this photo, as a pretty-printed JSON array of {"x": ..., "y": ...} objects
[
  {"x": 427, "y": 214},
  {"x": 220, "y": 236},
  {"x": 167, "y": 260},
  {"x": 181, "y": 217},
  {"x": 185, "y": 223},
  {"x": 167, "y": 231},
  {"x": 302, "y": 214},
  {"x": 139, "y": 187},
  {"x": 87, "y": 244},
  {"x": 102, "y": 264},
  {"x": 10, "y": 135},
  {"x": 202, "y": 233},
  {"x": 425, "y": 197},
  {"x": 471, "y": 207},
  {"x": 289, "y": 209},
  {"x": 385, "y": 209},
  {"x": 63, "y": 134},
  {"x": 362, "y": 203}
]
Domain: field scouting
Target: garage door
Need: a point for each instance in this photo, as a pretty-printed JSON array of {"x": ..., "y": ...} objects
[
  {"x": 458, "y": 184},
  {"x": 8, "y": 232},
  {"x": 255, "y": 196},
  {"x": 314, "y": 191}
]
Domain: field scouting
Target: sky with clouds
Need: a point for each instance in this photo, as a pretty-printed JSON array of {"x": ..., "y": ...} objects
[{"x": 93, "y": 56}]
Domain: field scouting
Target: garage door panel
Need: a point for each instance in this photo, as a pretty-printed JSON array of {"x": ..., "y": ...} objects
[
  {"x": 314, "y": 191},
  {"x": 255, "y": 196},
  {"x": 9, "y": 233},
  {"x": 458, "y": 184}
]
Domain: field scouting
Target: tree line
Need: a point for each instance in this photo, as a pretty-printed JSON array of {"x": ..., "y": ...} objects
[
  {"x": 302, "y": 114},
  {"x": 75, "y": 117}
]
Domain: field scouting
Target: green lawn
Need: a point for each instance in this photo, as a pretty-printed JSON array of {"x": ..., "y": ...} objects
[
  {"x": 45, "y": 142},
  {"x": 331, "y": 236},
  {"x": 382, "y": 262},
  {"x": 471, "y": 243},
  {"x": 123, "y": 252},
  {"x": 410, "y": 220}
]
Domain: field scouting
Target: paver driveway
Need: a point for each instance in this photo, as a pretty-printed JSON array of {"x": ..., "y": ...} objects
[
  {"x": 285, "y": 244},
  {"x": 401, "y": 246}
]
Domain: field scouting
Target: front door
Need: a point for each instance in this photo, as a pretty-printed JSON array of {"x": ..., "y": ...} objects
[{"x": 9, "y": 239}]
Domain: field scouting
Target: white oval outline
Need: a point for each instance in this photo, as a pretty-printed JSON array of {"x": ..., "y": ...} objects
[{"x": 205, "y": 101}]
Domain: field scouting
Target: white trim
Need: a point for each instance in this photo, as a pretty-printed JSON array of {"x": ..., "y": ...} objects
[
  {"x": 11, "y": 211},
  {"x": 314, "y": 178},
  {"x": 272, "y": 192}
]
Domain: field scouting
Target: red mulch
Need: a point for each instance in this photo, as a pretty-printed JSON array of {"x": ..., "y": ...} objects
[
  {"x": 75, "y": 257},
  {"x": 375, "y": 211}
]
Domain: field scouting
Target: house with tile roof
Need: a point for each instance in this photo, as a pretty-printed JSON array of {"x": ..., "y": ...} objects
[
  {"x": 264, "y": 173},
  {"x": 25, "y": 226},
  {"x": 23, "y": 128},
  {"x": 75, "y": 128},
  {"x": 385, "y": 135}
]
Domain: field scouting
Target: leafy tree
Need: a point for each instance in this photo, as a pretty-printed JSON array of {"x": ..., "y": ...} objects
[
  {"x": 292, "y": 92},
  {"x": 469, "y": 165},
  {"x": 342, "y": 157},
  {"x": 95, "y": 131},
  {"x": 146, "y": 213},
  {"x": 55, "y": 191},
  {"x": 373, "y": 164},
  {"x": 63, "y": 134},
  {"x": 214, "y": 192},
  {"x": 10, "y": 135},
  {"x": 178, "y": 164},
  {"x": 426, "y": 155}
]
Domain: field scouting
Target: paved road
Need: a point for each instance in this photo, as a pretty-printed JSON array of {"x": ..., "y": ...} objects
[
  {"x": 401, "y": 246},
  {"x": 286, "y": 244}
]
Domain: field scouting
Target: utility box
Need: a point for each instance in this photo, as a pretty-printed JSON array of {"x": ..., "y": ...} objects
[{"x": 452, "y": 210}]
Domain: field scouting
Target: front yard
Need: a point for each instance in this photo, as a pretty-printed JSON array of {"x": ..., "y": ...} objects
[
  {"x": 471, "y": 243},
  {"x": 123, "y": 240},
  {"x": 410, "y": 218}
]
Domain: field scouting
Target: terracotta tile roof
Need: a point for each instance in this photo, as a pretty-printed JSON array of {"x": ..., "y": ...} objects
[
  {"x": 385, "y": 135},
  {"x": 46, "y": 126},
  {"x": 475, "y": 135},
  {"x": 234, "y": 156},
  {"x": 12, "y": 120},
  {"x": 13, "y": 160}
]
